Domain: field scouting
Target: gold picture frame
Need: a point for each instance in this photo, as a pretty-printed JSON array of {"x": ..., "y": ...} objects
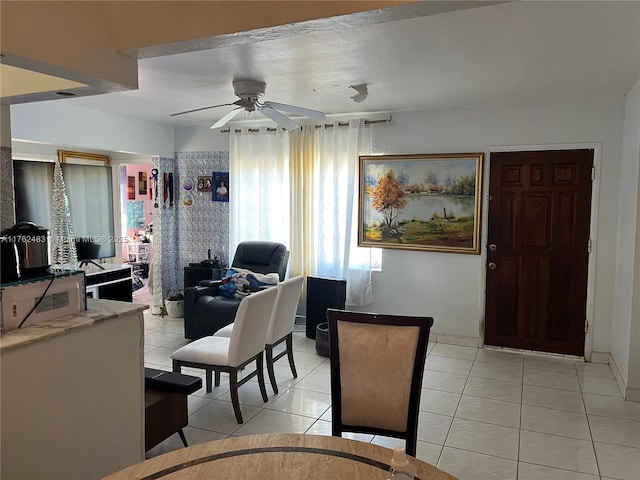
[
  {"x": 83, "y": 158},
  {"x": 428, "y": 202}
]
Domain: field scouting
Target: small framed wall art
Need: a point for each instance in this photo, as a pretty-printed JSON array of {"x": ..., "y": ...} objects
[
  {"x": 131, "y": 188},
  {"x": 142, "y": 183},
  {"x": 204, "y": 183},
  {"x": 221, "y": 183}
]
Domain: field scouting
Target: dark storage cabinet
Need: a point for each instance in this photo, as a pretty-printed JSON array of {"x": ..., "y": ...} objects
[{"x": 323, "y": 293}]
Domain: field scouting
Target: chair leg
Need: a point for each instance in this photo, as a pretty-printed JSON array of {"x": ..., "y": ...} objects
[
  {"x": 183, "y": 438},
  {"x": 411, "y": 446},
  {"x": 260, "y": 369},
  {"x": 272, "y": 374},
  {"x": 208, "y": 379},
  {"x": 289, "y": 343},
  {"x": 217, "y": 378},
  {"x": 233, "y": 389},
  {"x": 176, "y": 367}
]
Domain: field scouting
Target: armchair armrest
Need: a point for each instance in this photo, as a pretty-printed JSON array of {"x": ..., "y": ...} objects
[
  {"x": 192, "y": 294},
  {"x": 191, "y": 297}
]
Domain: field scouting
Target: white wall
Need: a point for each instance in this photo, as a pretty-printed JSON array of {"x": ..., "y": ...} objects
[
  {"x": 200, "y": 139},
  {"x": 60, "y": 124},
  {"x": 625, "y": 344}
]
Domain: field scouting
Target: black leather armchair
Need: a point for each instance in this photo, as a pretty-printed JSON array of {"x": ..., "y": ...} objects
[{"x": 206, "y": 312}]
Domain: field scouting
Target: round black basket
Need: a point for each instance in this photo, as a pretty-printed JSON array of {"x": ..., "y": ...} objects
[{"x": 322, "y": 339}]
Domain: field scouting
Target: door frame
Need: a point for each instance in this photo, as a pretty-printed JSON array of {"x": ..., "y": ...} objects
[{"x": 593, "y": 232}]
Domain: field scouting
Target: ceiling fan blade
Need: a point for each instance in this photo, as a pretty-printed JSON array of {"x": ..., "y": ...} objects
[
  {"x": 279, "y": 118},
  {"x": 223, "y": 121},
  {"x": 203, "y": 108},
  {"x": 306, "y": 112}
]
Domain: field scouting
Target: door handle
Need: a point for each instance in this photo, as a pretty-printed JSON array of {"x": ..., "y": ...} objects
[{"x": 492, "y": 266}]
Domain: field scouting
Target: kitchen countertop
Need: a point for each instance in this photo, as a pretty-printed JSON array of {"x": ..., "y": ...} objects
[{"x": 97, "y": 311}]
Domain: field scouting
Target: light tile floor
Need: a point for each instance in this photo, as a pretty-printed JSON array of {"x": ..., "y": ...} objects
[{"x": 485, "y": 414}]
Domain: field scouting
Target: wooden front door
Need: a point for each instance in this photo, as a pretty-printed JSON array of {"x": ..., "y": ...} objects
[{"x": 538, "y": 249}]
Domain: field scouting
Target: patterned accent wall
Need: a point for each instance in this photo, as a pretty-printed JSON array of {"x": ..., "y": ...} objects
[
  {"x": 182, "y": 234},
  {"x": 7, "y": 204},
  {"x": 203, "y": 223},
  {"x": 166, "y": 268}
]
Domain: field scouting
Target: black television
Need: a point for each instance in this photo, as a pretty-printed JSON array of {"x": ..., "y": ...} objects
[
  {"x": 90, "y": 193},
  {"x": 88, "y": 250}
]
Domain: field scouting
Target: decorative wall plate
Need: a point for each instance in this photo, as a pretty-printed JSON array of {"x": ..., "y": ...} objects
[
  {"x": 187, "y": 199},
  {"x": 188, "y": 184}
]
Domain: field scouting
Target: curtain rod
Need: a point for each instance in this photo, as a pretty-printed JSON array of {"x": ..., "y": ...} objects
[{"x": 326, "y": 125}]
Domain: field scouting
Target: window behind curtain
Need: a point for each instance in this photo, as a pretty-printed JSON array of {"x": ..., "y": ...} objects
[
  {"x": 320, "y": 168},
  {"x": 90, "y": 194},
  {"x": 260, "y": 191}
]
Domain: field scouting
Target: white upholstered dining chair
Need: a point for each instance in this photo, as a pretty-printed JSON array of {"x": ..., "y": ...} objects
[
  {"x": 280, "y": 328},
  {"x": 234, "y": 353}
]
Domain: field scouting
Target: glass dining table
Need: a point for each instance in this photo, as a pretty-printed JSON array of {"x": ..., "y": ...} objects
[{"x": 275, "y": 457}]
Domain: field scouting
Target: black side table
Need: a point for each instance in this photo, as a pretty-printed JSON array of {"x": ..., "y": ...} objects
[{"x": 194, "y": 274}]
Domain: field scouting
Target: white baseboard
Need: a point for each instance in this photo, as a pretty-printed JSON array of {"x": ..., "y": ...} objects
[
  {"x": 632, "y": 395},
  {"x": 455, "y": 340},
  {"x": 600, "y": 357},
  {"x": 621, "y": 382}
]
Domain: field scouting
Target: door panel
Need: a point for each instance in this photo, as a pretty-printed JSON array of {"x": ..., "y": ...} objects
[{"x": 537, "y": 258}]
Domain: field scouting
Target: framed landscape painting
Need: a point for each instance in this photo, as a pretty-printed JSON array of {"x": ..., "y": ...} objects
[{"x": 421, "y": 202}]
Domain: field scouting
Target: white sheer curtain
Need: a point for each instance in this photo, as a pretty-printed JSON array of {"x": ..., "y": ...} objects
[
  {"x": 333, "y": 196},
  {"x": 259, "y": 196},
  {"x": 303, "y": 194}
]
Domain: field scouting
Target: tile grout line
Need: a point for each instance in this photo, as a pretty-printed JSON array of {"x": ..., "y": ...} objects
[
  {"x": 593, "y": 445},
  {"x": 457, "y": 407}
]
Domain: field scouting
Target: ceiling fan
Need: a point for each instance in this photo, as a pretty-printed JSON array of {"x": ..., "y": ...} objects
[{"x": 250, "y": 92}]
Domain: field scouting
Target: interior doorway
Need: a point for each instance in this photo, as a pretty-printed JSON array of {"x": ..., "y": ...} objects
[
  {"x": 136, "y": 218},
  {"x": 538, "y": 250}
]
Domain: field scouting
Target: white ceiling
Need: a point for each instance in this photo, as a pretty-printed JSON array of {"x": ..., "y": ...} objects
[{"x": 492, "y": 55}]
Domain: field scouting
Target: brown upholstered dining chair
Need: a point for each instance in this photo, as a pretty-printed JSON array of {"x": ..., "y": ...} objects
[{"x": 377, "y": 363}]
